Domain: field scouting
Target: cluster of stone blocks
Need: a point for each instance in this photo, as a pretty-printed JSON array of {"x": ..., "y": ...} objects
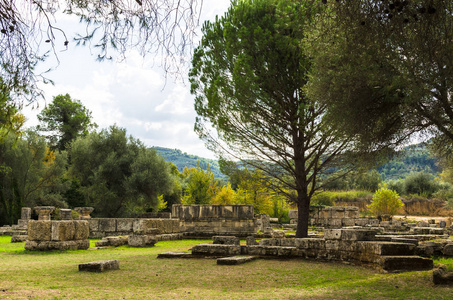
[
  {"x": 57, "y": 235},
  {"x": 336, "y": 217},
  {"x": 209, "y": 220},
  {"x": 352, "y": 245},
  {"x": 100, "y": 228}
]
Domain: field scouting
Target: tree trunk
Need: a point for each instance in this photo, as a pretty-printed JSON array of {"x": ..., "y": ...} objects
[{"x": 303, "y": 213}]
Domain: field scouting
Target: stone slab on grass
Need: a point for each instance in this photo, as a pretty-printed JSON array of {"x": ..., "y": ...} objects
[
  {"x": 235, "y": 260},
  {"x": 100, "y": 266},
  {"x": 174, "y": 254},
  {"x": 395, "y": 264},
  {"x": 442, "y": 276}
]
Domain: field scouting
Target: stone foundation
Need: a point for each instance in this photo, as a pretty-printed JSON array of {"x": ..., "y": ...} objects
[
  {"x": 57, "y": 235},
  {"x": 210, "y": 220},
  {"x": 103, "y": 227}
]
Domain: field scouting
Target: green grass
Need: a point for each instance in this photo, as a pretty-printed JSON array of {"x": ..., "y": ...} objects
[{"x": 54, "y": 275}]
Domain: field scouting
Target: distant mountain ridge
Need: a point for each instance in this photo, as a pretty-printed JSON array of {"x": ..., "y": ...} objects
[
  {"x": 413, "y": 158},
  {"x": 182, "y": 159}
]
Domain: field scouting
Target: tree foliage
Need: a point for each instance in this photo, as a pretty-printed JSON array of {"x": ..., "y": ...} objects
[
  {"x": 118, "y": 175},
  {"x": 64, "y": 120},
  {"x": 385, "y": 202},
  {"x": 385, "y": 68},
  {"x": 30, "y": 175},
  {"x": 29, "y": 33},
  {"x": 248, "y": 76},
  {"x": 200, "y": 187}
]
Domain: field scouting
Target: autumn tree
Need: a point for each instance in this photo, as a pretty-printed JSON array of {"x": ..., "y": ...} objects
[
  {"x": 248, "y": 76},
  {"x": 64, "y": 120},
  {"x": 200, "y": 186},
  {"x": 29, "y": 33}
]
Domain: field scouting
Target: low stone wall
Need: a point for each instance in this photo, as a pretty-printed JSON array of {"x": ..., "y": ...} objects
[
  {"x": 351, "y": 245},
  {"x": 209, "y": 220},
  {"x": 57, "y": 235},
  {"x": 102, "y": 227},
  {"x": 336, "y": 217}
]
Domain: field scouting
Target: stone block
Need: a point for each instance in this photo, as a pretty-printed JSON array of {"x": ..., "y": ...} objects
[
  {"x": 25, "y": 213},
  {"x": 100, "y": 266},
  {"x": 63, "y": 230},
  {"x": 404, "y": 240},
  {"x": 348, "y": 222},
  {"x": 448, "y": 250},
  {"x": 22, "y": 223},
  {"x": 116, "y": 241},
  {"x": 279, "y": 234},
  {"x": 125, "y": 225},
  {"x": 251, "y": 241},
  {"x": 225, "y": 240},
  {"x": 39, "y": 230},
  {"x": 235, "y": 260},
  {"x": 385, "y": 248},
  {"x": 138, "y": 240},
  {"x": 82, "y": 229},
  {"x": 65, "y": 214},
  {"x": 442, "y": 276},
  {"x": 393, "y": 264},
  {"x": 310, "y": 243},
  {"x": 349, "y": 234},
  {"x": 107, "y": 225},
  {"x": 351, "y": 212},
  {"x": 174, "y": 254},
  {"x": 93, "y": 224},
  {"x": 16, "y": 238},
  {"x": 422, "y": 224},
  {"x": 216, "y": 250},
  {"x": 56, "y": 245}
]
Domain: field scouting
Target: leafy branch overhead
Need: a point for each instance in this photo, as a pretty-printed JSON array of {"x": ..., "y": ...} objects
[{"x": 30, "y": 33}]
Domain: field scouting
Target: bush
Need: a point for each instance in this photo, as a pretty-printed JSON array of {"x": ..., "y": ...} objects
[
  {"x": 421, "y": 184},
  {"x": 396, "y": 185},
  {"x": 385, "y": 202}
]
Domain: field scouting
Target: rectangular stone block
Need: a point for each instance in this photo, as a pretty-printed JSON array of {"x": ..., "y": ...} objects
[
  {"x": 216, "y": 250},
  {"x": 138, "y": 240},
  {"x": 235, "y": 260},
  {"x": 349, "y": 234},
  {"x": 39, "y": 230},
  {"x": 93, "y": 224},
  {"x": 385, "y": 248},
  {"x": 107, "y": 225},
  {"x": 82, "y": 229},
  {"x": 63, "y": 230},
  {"x": 100, "y": 266},
  {"x": 125, "y": 225},
  {"x": 348, "y": 222},
  {"x": 310, "y": 243}
]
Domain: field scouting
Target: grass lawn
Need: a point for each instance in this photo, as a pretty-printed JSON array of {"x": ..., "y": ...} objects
[{"x": 55, "y": 275}]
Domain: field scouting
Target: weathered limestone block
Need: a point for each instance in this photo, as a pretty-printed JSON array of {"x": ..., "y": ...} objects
[
  {"x": 170, "y": 237},
  {"x": 18, "y": 238},
  {"x": 100, "y": 266},
  {"x": 442, "y": 276},
  {"x": 141, "y": 240},
  {"x": 404, "y": 240},
  {"x": 393, "y": 264},
  {"x": 351, "y": 212},
  {"x": 63, "y": 230},
  {"x": 39, "y": 230},
  {"x": 270, "y": 242},
  {"x": 57, "y": 245},
  {"x": 117, "y": 241},
  {"x": 334, "y": 222},
  {"x": 23, "y": 224},
  {"x": 125, "y": 225},
  {"x": 448, "y": 250},
  {"x": 82, "y": 229},
  {"x": 348, "y": 222},
  {"x": 216, "y": 250},
  {"x": 107, "y": 225},
  {"x": 279, "y": 234},
  {"x": 427, "y": 230},
  {"x": 93, "y": 224},
  {"x": 349, "y": 234},
  {"x": 385, "y": 248},
  {"x": 235, "y": 260},
  {"x": 288, "y": 242},
  {"x": 422, "y": 224},
  {"x": 174, "y": 254},
  {"x": 251, "y": 241},
  {"x": 310, "y": 243},
  {"x": 25, "y": 213},
  {"x": 225, "y": 240}
]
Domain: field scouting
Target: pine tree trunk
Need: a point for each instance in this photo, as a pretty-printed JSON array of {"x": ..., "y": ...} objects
[{"x": 303, "y": 213}]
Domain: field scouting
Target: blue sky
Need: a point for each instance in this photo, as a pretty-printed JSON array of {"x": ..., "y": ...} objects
[{"x": 131, "y": 94}]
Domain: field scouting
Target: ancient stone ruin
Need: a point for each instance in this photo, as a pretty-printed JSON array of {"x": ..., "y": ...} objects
[{"x": 209, "y": 220}]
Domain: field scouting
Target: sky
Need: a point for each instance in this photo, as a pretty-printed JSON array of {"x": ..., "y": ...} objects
[{"x": 131, "y": 94}]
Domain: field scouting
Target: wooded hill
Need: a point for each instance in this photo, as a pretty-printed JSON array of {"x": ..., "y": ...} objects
[{"x": 413, "y": 158}]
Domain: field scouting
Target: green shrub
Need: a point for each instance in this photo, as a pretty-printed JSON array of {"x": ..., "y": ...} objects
[
  {"x": 385, "y": 202},
  {"x": 396, "y": 185},
  {"x": 421, "y": 184}
]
